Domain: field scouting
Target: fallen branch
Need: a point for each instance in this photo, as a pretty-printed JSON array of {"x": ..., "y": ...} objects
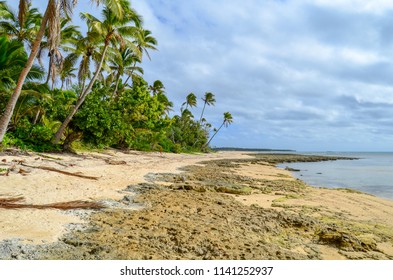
[
  {"x": 61, "y": 171},
  {"x": 11, "y": 203},
  {"x": 49, "y": 157}
]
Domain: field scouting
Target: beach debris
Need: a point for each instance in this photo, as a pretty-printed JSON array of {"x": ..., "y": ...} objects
[
  {"x": 47, "y": 168},
  {"x": 49, "y": 157},
  {"x": 23, "y": 172},
  {"x": 115, "y": 162},
  {"x": 15, "y": 203}
]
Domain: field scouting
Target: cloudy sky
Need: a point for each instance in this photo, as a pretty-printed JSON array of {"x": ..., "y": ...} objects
[{"x": 309, "y": 75}]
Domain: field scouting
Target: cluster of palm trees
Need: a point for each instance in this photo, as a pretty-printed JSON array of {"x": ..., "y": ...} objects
[
  {"x": 47, "y": 49},
  {"x": 115, "y": 42}
]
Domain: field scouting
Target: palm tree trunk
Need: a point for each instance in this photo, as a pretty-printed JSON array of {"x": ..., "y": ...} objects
[
  {"x": 49, "y": 70},
  {"x": 9, "y": 109},
  {"x": 129, "y": 76},
  {"x": 211, "y": 138},
  {"x": 36, "y": 117},
  {"x": 203, "y": 110},
  {"x": 81, "y": 99},
  {"x": 117, "y": 86}
]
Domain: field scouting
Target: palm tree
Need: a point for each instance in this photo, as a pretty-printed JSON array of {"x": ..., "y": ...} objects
[
  {"x": 227, "y": 121},
  {"x": 112, "y": 30},
  {"x": 158, "y": 90},
  {"x": 143, "y": 42},
  {"x": 23, "y": 25},
  {"x": 157, "y": 87},
  {"x": 51, "y": 18},
  {"x": 208, "y": 100},
  {"x": 123, "y": 61},
  {"x": 69, "y": 35},
  {"x": 12, "y": 60},
  {"x": 86, "y": 48},
  {"x": 66, "y": 72},
  {"x": 191, "y": 100}
]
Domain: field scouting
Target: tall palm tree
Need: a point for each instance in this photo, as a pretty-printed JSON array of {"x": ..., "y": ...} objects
[
  {"x": 208, "y": 99},
  {"x": 23, "y": 25},
  {"x": 227, "y": 121},
  {"x": 113, "y": 30},
  {"x": 51, "y": 19}
]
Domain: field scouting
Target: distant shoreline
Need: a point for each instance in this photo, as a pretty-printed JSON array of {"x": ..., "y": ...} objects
[{"x": 235, "y": 149}]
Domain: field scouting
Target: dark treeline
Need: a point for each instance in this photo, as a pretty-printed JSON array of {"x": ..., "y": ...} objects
[{"x": 61, "y": 88}]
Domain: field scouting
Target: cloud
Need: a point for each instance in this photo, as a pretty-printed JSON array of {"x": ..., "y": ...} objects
[
  {"x": 305, "y": 74},
  {"x": 294, "y": 74}
]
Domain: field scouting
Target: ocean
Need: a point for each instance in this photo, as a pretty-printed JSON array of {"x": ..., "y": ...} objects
[{"x": 372, "y": 173}]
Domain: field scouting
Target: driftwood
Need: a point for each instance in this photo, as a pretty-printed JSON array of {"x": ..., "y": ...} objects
[
  {"x": 14, "y": 203},
  {"x": 61, "y": 171},
  {"x": 115, "y": 162}
]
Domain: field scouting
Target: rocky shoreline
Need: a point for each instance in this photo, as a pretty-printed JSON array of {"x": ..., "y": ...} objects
[{"x": 202, "y": 213}]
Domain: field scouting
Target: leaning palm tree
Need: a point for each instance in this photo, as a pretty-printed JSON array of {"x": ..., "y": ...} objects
[
  {"x": 51, "y": 19},
  {"x": 208, "y": 99},
  {"x": 114, "y": 31},
  {"x": 226, "y": 122}
]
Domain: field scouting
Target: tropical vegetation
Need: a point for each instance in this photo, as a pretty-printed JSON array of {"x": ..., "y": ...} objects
[{"x": 62, "y": 86}]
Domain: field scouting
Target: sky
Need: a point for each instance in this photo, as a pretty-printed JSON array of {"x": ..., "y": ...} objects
[{"x": 308, "y": 75}]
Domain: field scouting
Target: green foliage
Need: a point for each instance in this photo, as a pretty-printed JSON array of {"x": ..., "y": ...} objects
[
  {"x": 136, "y": 119},
  {"x": 12, "y": 60},
  {"x": 31, "y": 137},
  {"x": 121, "y": 110}
]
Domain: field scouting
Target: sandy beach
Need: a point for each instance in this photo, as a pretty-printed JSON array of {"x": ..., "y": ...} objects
[{"x": 225, "y": 205}]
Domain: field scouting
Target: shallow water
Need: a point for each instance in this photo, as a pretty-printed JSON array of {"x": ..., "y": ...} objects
[{"x": 371, "y": 173}]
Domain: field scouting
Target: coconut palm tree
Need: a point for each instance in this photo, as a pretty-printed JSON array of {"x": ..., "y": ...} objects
[
  {"x": 191, "y": 100},
  {"x": 69, "y": 34},
  {"x": 66, "y": 72},
  {"x": 23, "y": 25},
  {"x": 113, "y": 30},
  {"x": 12, "y": 60},
  {"x": 208, "y": 99},
  {"x": 51, "y": 19},
  {"x": 121, "y": 62},
  {"x": 87, "y": 49},
  {"x": 226, "y": 122},
  {"x": 158, "y": 90},
  {"x": 143, "y": 42}
]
